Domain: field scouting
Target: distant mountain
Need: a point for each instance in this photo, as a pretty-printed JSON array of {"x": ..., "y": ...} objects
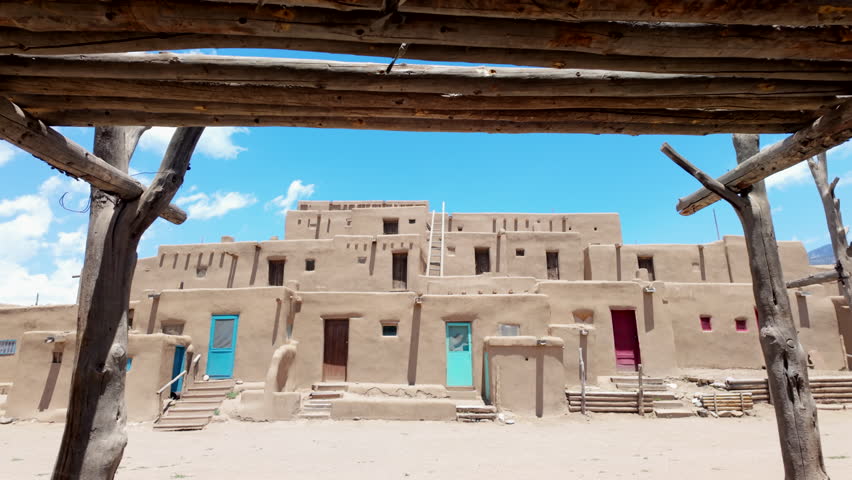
[{"x": 823, "y": 255}]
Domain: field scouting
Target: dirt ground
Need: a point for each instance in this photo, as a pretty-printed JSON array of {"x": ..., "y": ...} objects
[{"x": 607, "y": 446}]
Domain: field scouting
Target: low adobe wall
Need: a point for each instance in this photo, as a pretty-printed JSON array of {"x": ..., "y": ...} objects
[{"x": 525, "y": 375}]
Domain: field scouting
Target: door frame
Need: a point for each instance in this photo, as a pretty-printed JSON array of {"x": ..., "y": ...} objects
[
  {"x": 637, "y": 350},
  {"x": 325, "y": 338},
  {"x": 233, "y": 348},
  {"x": 447, "y": 326},
  {"x": 178, "y": 385}
]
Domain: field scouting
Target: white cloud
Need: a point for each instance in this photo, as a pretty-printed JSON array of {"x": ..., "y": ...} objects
[
  {"x": 295, "y": 192},
  {"x": 25, "y": 226},
  {"x": 7, "y": 153},
  {"x": 201, "y": 206},
  {"x": 215, "y": 142},
  {"x": 795, "y": 175}
]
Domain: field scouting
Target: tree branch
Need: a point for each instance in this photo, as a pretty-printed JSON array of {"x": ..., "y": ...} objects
[
  {"x": 169, "y": 178},
  {"x": 816, "y": 278},
  {"x": 709, "y": 182}
]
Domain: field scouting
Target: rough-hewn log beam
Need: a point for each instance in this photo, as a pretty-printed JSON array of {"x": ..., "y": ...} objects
[
  {"x": 766, "y": 12},
  {"x": 82, "y": 118},
  {"x": 815, "y": 279},
  {"x": 52, "y": 108},
  {"x": 14, "y": 40},
  {"x": 175, "y": 97},
  {"x": 651, "y": 39},
  {"x": 32, "y": 135},
  {"x": 488, "y": 81},
  {"x": 823, "y": 134}
]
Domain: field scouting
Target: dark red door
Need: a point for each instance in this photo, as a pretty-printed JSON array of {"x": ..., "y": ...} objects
[
  {"x": 336, "y": 350},
  {"x": 626, "y": 339}
]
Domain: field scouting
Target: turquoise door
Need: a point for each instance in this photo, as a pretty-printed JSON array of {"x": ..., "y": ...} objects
[
  {"x": 223, "y": 345},
  {"x": 459, "y": 355},
  {"x": 177, "y": 367}
]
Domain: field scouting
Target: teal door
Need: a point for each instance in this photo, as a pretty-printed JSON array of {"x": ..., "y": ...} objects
[
  {"x": 459, "y": 355},
  {"x": 223, "y": 345},
  {"x": 177, "y": 367}
]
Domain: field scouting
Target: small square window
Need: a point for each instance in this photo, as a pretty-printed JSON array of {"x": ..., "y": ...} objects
[
  {"x": 741, "y": 325},
  {"x": 8, "y": 347},
  {"x": 509, "y": 330},
  {"x": 412, "y": 221},
  {"x": 389, "y": 330},
  {"x": 519, "y": 252},
  {"x": 706, "y": 323},
  {"x": 310, "y": 265}
]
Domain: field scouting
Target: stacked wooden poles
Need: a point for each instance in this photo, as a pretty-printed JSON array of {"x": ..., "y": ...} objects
[
  {"x": 786, "y": 360},
  {"x": 95, "y": 435}
]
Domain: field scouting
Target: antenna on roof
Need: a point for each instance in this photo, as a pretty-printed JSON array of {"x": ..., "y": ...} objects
[{"x": 718, "y": 237}]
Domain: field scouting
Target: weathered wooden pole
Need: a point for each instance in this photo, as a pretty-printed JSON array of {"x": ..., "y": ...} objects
[
  {"x": 836, "y": 229},
  {"x": 95, "y": 435},
  {"x": 786, "y": 360}
]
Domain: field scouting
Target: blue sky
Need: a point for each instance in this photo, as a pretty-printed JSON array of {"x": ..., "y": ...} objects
[{"x": 242, "y": 179}]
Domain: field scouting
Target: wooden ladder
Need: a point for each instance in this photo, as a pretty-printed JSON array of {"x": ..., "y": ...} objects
[{"x": 435, "y": 267}]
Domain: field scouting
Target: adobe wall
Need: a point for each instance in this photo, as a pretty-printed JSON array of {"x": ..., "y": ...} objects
[
  {"x": 479, "y": 284},
  {"x": 326, "y": 224},
  {"x": 577, "y": 306},
  {"x": 794, "y": 259},
  {"x": 41, "y": 388},
  {"x": 593, "y": 228},
  {"x": 16, "y": 321},
  {"x": 262, "y": 325},
  {"x": 526, "y": 374},
  {"x": 345, "y": 263}
]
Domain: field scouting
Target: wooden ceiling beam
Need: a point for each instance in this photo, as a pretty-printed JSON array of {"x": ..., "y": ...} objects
[
  {"x": 32, "y": 135},
  {"x": 17, "y": 41},
  {"x": 410, "y": 124},
  {"x": 765, "y": 12},
  {"x": 403, "y": 78},
  {"x": 825, "y": 133},
  {"x": 610, "y": 38},
  {"x": 174, "y": 96}
]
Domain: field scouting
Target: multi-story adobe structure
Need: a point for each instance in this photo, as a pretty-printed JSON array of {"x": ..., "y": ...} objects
[{"x": 390, "y": 293}]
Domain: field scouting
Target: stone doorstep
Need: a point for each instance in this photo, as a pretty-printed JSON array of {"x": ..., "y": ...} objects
[
  {"x": 475, "y": 417},
  {"x": 316, "y": 405},
  {"x": 645, "y": 380},
  {"x": 204, "y": 394},
  {"x": 319, "y": 415},
  {"x": 681, "y": 412},
  {"x": 647, "y": 388},
  {"x": 172, "y": 419},
  {"x": 668, "y": 404},
  {"x": 476, "y": 409}
]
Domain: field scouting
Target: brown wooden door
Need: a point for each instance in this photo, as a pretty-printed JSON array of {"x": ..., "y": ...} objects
[
  {"x": 400, "y": 271},
  {"x": 336, "y": 350}
]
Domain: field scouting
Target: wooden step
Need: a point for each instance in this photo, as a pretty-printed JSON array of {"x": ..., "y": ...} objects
[
  {"x": 326, "y": 394},
  {"x": 181, "y": 419},
  {"x": 185, "y": 425},
  {"x": 647, "y": 388},
  {"x": 476, "y": 409},
  {"x": 475, "y": 417},
  {"x": 645, "y": 380},
  {"x": 312, "y": 405},
  {"x": 330, "y": 387},
  {"x": 202, "y": 394},
  {"x": 667, "y": 404}
]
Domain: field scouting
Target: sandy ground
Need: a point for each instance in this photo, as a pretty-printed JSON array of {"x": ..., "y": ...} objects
[{"x": 606, "y": 446}]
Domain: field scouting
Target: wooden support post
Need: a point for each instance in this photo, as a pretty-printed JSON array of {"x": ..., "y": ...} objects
[
  {"x": 836, "y": 229},
  {"x": 786, "y": 360},
  {"x": 582, "y": 383},
  {"x": 32, "y": 135},
  {"x": 641, "y": 394},
  {"x": 94, "y": 438}
]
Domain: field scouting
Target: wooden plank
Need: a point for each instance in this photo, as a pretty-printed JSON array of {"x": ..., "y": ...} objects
[
  {"x": 438, "y": 79},
  {"x": 828, "y": 131},
  {"x": 13, "y": 40},
  {"x": 32, "y": 135},
  {"x": 815, "y": 279},
  {"x": 648, "y": 39},
  {"x": 772, "y": 12},
  {"x": 157, "y": 95},
  {"x": 118, "y": 117}
]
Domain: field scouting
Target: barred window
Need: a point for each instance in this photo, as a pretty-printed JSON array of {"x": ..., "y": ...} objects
[{"x": 8, "y": 347}]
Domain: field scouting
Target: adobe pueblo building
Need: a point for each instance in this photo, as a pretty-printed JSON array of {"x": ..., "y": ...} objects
[{"x": 408, "y": 311}]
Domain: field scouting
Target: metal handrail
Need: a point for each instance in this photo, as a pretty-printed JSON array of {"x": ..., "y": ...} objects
[{"x": 178, "y": 377}]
